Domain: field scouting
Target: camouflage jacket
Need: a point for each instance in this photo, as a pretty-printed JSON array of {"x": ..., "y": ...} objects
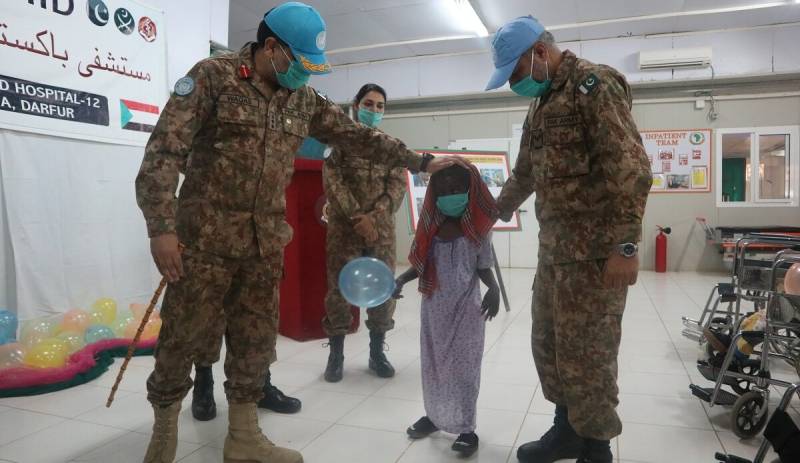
[
  {"x": 356, "y": 184},
  {"x": 582, "y": 155},
  {"x": 235, "y": 139}
]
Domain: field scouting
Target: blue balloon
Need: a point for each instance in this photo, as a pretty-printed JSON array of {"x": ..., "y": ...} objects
[
  {"x": 366, "y": 282},
  {"x": 8, "y": 325},
  {"x": 97, "y": 333}
]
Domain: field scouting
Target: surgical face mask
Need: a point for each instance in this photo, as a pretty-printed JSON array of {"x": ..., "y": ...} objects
[
  {"x": 294, "y": 77},
  {"x": 369, "y": 118},
  {"x": 453, "y": 205},
  {"x": 530, "y": 88}
]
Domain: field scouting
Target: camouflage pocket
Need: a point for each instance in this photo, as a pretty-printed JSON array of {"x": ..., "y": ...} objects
[
  {"x": 580, "y": 286},
  {"x": 234, "y": 114},
  {"x": 566, "y": 162},
  {"x": 295, "y": 123}
]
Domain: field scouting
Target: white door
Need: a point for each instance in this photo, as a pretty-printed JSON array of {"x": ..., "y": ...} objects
[{"x": 517, "y": 249}]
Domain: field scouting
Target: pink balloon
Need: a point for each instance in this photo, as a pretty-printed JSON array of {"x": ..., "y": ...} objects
[
  {"x": 791, "y": 283},
  {"x": 11, "y": 355},
  {"x": 75, "y": 320},
  {"x": 138, "y": 310}
]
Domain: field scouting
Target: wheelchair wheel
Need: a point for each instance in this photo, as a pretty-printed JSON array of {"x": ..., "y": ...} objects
[
  {"x": 750, "y": 368},
  {"x": 749, "y": 415}
]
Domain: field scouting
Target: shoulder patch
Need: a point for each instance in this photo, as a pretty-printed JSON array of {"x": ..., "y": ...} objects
[
  {"x": 589, "y": 84},
  {"x": 184, "y": 86},
  {"x": 322, "y": 95}
]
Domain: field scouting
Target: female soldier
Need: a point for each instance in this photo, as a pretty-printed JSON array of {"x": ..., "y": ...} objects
[{"x": 363, "y": 196}]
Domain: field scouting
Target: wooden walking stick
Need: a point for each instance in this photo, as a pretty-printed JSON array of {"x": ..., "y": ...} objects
[{"x": 132, "y": 347}]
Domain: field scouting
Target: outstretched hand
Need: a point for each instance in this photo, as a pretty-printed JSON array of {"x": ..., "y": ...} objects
[
  {"x": 491, "y": 303},
  {"x": 398, "y": 289}
]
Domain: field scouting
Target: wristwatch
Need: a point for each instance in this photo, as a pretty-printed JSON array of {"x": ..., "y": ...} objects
[{"x": 628, "y": 250}]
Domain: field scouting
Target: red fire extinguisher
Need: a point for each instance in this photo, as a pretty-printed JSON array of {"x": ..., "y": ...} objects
[{"x": 661, "y": 248}]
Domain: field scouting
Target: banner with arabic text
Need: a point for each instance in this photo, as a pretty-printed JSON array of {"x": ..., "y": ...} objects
[{"x": 86, "y": 69}]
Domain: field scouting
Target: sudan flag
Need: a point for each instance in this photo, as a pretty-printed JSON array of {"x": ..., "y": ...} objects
[{"x": 137, "y": 116}]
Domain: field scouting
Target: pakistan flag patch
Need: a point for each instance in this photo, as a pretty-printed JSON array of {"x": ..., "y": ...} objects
[{"x": 589, "y": 84}]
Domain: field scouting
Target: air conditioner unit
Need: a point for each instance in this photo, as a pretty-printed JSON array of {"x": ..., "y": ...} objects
[{"x": 677, "y": 58}]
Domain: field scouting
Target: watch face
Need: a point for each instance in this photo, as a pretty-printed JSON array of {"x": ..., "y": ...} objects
[{"x": 629, "y": 250}]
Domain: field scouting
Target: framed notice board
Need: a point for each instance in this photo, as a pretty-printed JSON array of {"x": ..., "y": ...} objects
[{"x": 679, "y": 159}]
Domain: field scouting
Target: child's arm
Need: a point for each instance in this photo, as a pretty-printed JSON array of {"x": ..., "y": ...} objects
[
  {"x": 491, "y": 300},
  {"x": 409, "y": 275}
]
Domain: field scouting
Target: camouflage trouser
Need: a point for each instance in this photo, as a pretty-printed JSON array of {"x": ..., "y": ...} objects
[
  {"x": 208, "y": 352},
  {"x": 575, "y": 339},
  {"x": 238, "y": 294},
  {"x": 344, "y": 245}
]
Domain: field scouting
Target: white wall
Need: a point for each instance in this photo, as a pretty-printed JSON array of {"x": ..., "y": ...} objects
[
  {"x": 191, "y": 24},
  {"x": 764, "y": 51}
]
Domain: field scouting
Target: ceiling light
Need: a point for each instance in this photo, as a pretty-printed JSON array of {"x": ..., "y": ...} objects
[{"x": 466, "y": 16}]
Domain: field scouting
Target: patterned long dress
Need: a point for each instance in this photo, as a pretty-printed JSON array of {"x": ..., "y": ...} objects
[{"x": 452, "y": 334}]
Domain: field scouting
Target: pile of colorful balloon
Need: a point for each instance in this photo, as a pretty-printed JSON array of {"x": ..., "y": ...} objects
[{"x": 48, "y": 350}]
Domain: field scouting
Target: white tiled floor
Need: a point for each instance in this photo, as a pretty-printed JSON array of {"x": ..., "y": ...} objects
[{"x": 363, "y": 418}]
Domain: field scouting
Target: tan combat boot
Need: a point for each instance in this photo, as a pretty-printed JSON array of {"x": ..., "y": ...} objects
[
  {"x": 245, "y": 442},
  {"x": 164, "y": 441}
]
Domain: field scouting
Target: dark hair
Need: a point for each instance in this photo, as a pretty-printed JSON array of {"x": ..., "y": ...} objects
[
  {"x": 369, "y": 88},
  {"x": 455, "y": 172},
  {"x": 264, "y": 32}
]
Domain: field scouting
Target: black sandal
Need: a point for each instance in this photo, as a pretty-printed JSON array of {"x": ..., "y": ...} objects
[
  {"x": 466, "y": 444},
  {"x": 424, "y": 427}
]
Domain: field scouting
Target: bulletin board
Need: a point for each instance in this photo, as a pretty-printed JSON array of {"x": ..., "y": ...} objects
[
  {"x": 679, "y": 159},
  {"x": 494, "y": 169}
]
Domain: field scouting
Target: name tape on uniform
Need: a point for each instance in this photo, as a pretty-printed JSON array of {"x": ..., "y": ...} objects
[
  {"x": 239, "y": 100},
  {"x": 562, "y": 121}
]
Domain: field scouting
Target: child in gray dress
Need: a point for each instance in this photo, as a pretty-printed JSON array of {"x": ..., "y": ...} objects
[{"x": 452, "y": 253}]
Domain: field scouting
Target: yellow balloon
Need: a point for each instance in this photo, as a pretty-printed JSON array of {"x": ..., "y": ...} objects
[
  {"x": 32, "y": 338},
  {"x": 73, "y": 340},
  {"x": 103, "y": 312},
  {"x": 50, "y": 353},
  {"x": 39, "y": 328},
  {"x": 152, "y": 328}
]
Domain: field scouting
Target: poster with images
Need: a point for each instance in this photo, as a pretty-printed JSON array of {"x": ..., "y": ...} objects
[
  {"x": 494, "y": 169},
  {"x": 679, "y": 159}
]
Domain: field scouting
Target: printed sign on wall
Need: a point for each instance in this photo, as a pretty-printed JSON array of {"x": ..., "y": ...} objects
[{"x": 87, "y": 69}]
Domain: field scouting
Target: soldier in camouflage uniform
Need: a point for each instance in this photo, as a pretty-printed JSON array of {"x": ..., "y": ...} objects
[
  {"x": 363, "y": 196},
  {"x": 232, "y": 127},
  {"x": 582, "y": 155}
]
